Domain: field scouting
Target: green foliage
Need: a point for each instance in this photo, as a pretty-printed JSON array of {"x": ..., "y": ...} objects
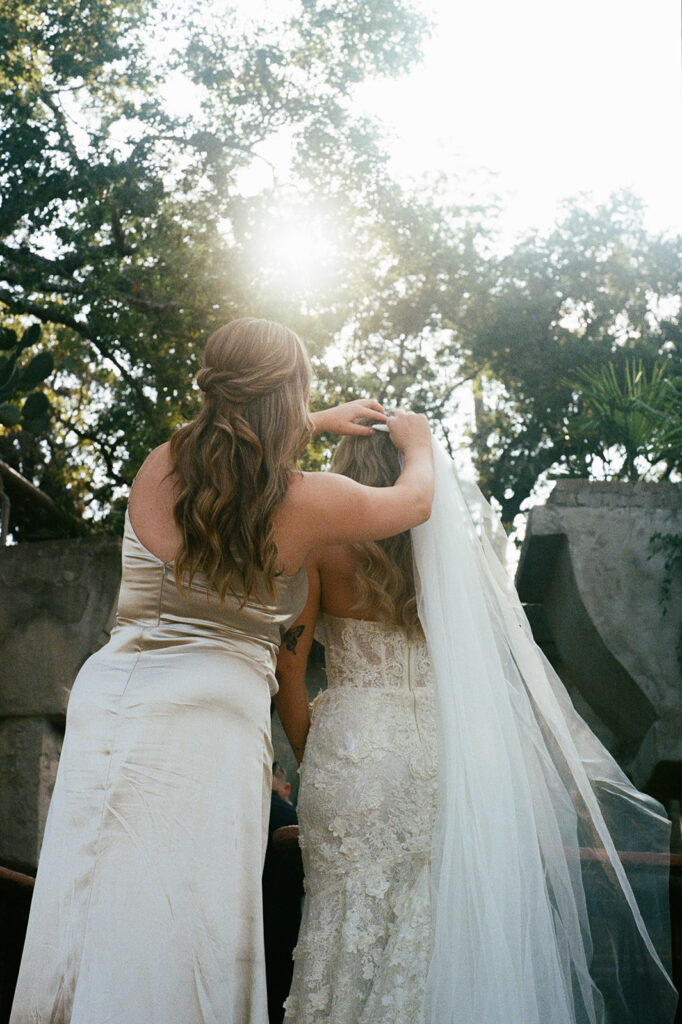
[
  {"x": 639, "y": 413},
  {"x": 442, "y": 312},
  {"x": 426, "y": 273},
  {"x": 124, "y": 228},
  {"x": 129, "y": 229},
  {"x": 16, "y": 380},
  {"x": 594, "y": 291}
]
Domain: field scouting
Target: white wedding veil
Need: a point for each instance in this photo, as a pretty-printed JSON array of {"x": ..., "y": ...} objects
[{"x": 549, "y": 868}]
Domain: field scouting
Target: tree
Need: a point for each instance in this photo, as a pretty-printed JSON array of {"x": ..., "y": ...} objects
[
  {"x": 633, "y": 416},
  {"x": 17, "y": 381},
  {"x": 597, "y": 290},
  {"x": 127, "y": 232},
  {"x": 123, "y": 227},
  {"x": 443, "y": 309},
  {"x": 427, "y": 271}
]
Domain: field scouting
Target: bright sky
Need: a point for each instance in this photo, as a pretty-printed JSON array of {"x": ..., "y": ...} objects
[
  {"x": 554, "y": 98},
  {"x": 531, "y": 100}
]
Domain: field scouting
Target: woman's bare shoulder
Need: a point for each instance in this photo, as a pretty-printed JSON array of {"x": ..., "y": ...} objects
[
  {"x": 305, "y": 494},
  {"x": 157, "y": 464},
  {"x": 151, "y": 502},
  {"x": 154, "y": 477},
  {"x": 295, "y": 520},
  {"x": 302, "y": 481}
]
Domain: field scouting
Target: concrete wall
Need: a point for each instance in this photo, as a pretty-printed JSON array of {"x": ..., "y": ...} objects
[
  {"x": 57, "y": 600},
  {"x": 594, "y": 589}
]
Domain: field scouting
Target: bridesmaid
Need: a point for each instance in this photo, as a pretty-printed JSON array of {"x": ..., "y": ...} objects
[{"x": 147, "y": 906}]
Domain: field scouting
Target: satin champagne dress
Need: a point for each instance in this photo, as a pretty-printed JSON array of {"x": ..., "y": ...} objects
[{"x": 147, "y": 906}]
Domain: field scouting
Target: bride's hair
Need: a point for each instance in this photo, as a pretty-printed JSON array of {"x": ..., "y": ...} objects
[
  {"x": 384, "y": 575},
  {"x": 233, "y": 460}
]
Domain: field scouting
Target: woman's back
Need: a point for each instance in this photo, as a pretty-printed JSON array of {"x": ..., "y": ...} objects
[{"x": 153, "y": 613}]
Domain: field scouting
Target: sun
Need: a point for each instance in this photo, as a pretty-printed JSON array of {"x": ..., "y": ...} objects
[{"x": 297, "y": 249}]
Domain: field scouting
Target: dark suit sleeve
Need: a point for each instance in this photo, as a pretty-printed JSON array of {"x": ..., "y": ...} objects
[{"x": 281, "y": 813}]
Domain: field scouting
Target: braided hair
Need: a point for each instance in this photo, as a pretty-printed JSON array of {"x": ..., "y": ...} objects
[{"x": 232, "y": 462}]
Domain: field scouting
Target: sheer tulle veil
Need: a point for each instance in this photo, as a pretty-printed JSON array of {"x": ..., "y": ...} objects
[{"x": 549, "y": 882}]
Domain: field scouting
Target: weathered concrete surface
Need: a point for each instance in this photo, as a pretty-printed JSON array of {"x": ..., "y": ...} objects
[
  {"x": 57, "y": 601},
  {"x": 29, "y": 756},
  {"x": 594, "y": 593}
]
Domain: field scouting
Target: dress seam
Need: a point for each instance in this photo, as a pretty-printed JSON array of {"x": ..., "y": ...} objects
[{"x": 160, "y": 602}]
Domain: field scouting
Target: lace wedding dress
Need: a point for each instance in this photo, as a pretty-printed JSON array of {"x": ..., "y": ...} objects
[
  {"x": 366, "y": 810},
  {"x": 516, "y": 878}
]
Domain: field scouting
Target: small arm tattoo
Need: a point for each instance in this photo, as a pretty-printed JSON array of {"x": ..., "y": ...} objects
[{"x": 291, "y": 638}]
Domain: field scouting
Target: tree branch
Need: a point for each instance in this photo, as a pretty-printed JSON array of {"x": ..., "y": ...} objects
[
  {"x": 56, "y": 316},
  {"x": 103, "y": 449}
]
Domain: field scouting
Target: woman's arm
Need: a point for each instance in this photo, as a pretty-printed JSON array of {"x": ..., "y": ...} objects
[
  {"x": 327, "y": 508},
  {"x": 291, "y": 700},
  {"x": 336, "y": 510},
  {"x": 341, "y": 419}
]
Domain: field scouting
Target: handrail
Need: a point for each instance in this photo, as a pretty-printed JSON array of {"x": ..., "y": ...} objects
[
  {"x": 10, "y": 480},
  {"x": 15, "y": 879},
  {"x": 670, "y": 860}
]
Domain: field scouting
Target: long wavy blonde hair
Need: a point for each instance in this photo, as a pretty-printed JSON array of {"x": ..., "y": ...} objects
[
  {"x": 232, "y": 462},
  {"x": 384, "y": 574}
]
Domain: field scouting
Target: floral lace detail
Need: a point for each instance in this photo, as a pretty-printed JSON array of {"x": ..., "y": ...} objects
[
  {"x": 366, "y": 810},
  {"x": 363, "y": 653}
]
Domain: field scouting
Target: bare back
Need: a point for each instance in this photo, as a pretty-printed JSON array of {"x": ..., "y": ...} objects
[
  {"x": 153, "y": 497},
  {"x": 151, "y": 503},
  {"x": 338, "y": 590}
]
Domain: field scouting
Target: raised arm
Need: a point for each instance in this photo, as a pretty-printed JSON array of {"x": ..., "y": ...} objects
[
  {"x": 341, "y": 419},
  {"x": 291, "y": 700},
  {"x": 327, "y": 508},
  {"x": 341, "y": 511}
]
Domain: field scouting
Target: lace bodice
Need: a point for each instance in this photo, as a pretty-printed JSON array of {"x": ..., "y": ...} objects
[{"x": 361, "y": 653}]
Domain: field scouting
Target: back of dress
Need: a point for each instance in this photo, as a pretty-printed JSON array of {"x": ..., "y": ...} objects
[
  {"x": 366, "y": 810},
  {"x": 147, "y": 903}
]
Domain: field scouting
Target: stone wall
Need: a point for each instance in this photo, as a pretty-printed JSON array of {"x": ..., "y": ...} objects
[
  {"x": 57, "y": 600},
  {"x": 594, "y": 590}
]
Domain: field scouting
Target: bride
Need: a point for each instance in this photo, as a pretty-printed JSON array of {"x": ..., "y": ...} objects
[{"x": 466, "y": 839}]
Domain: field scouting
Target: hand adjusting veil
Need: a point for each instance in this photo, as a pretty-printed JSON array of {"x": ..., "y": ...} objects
[{"x": 543, "y": 914}]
